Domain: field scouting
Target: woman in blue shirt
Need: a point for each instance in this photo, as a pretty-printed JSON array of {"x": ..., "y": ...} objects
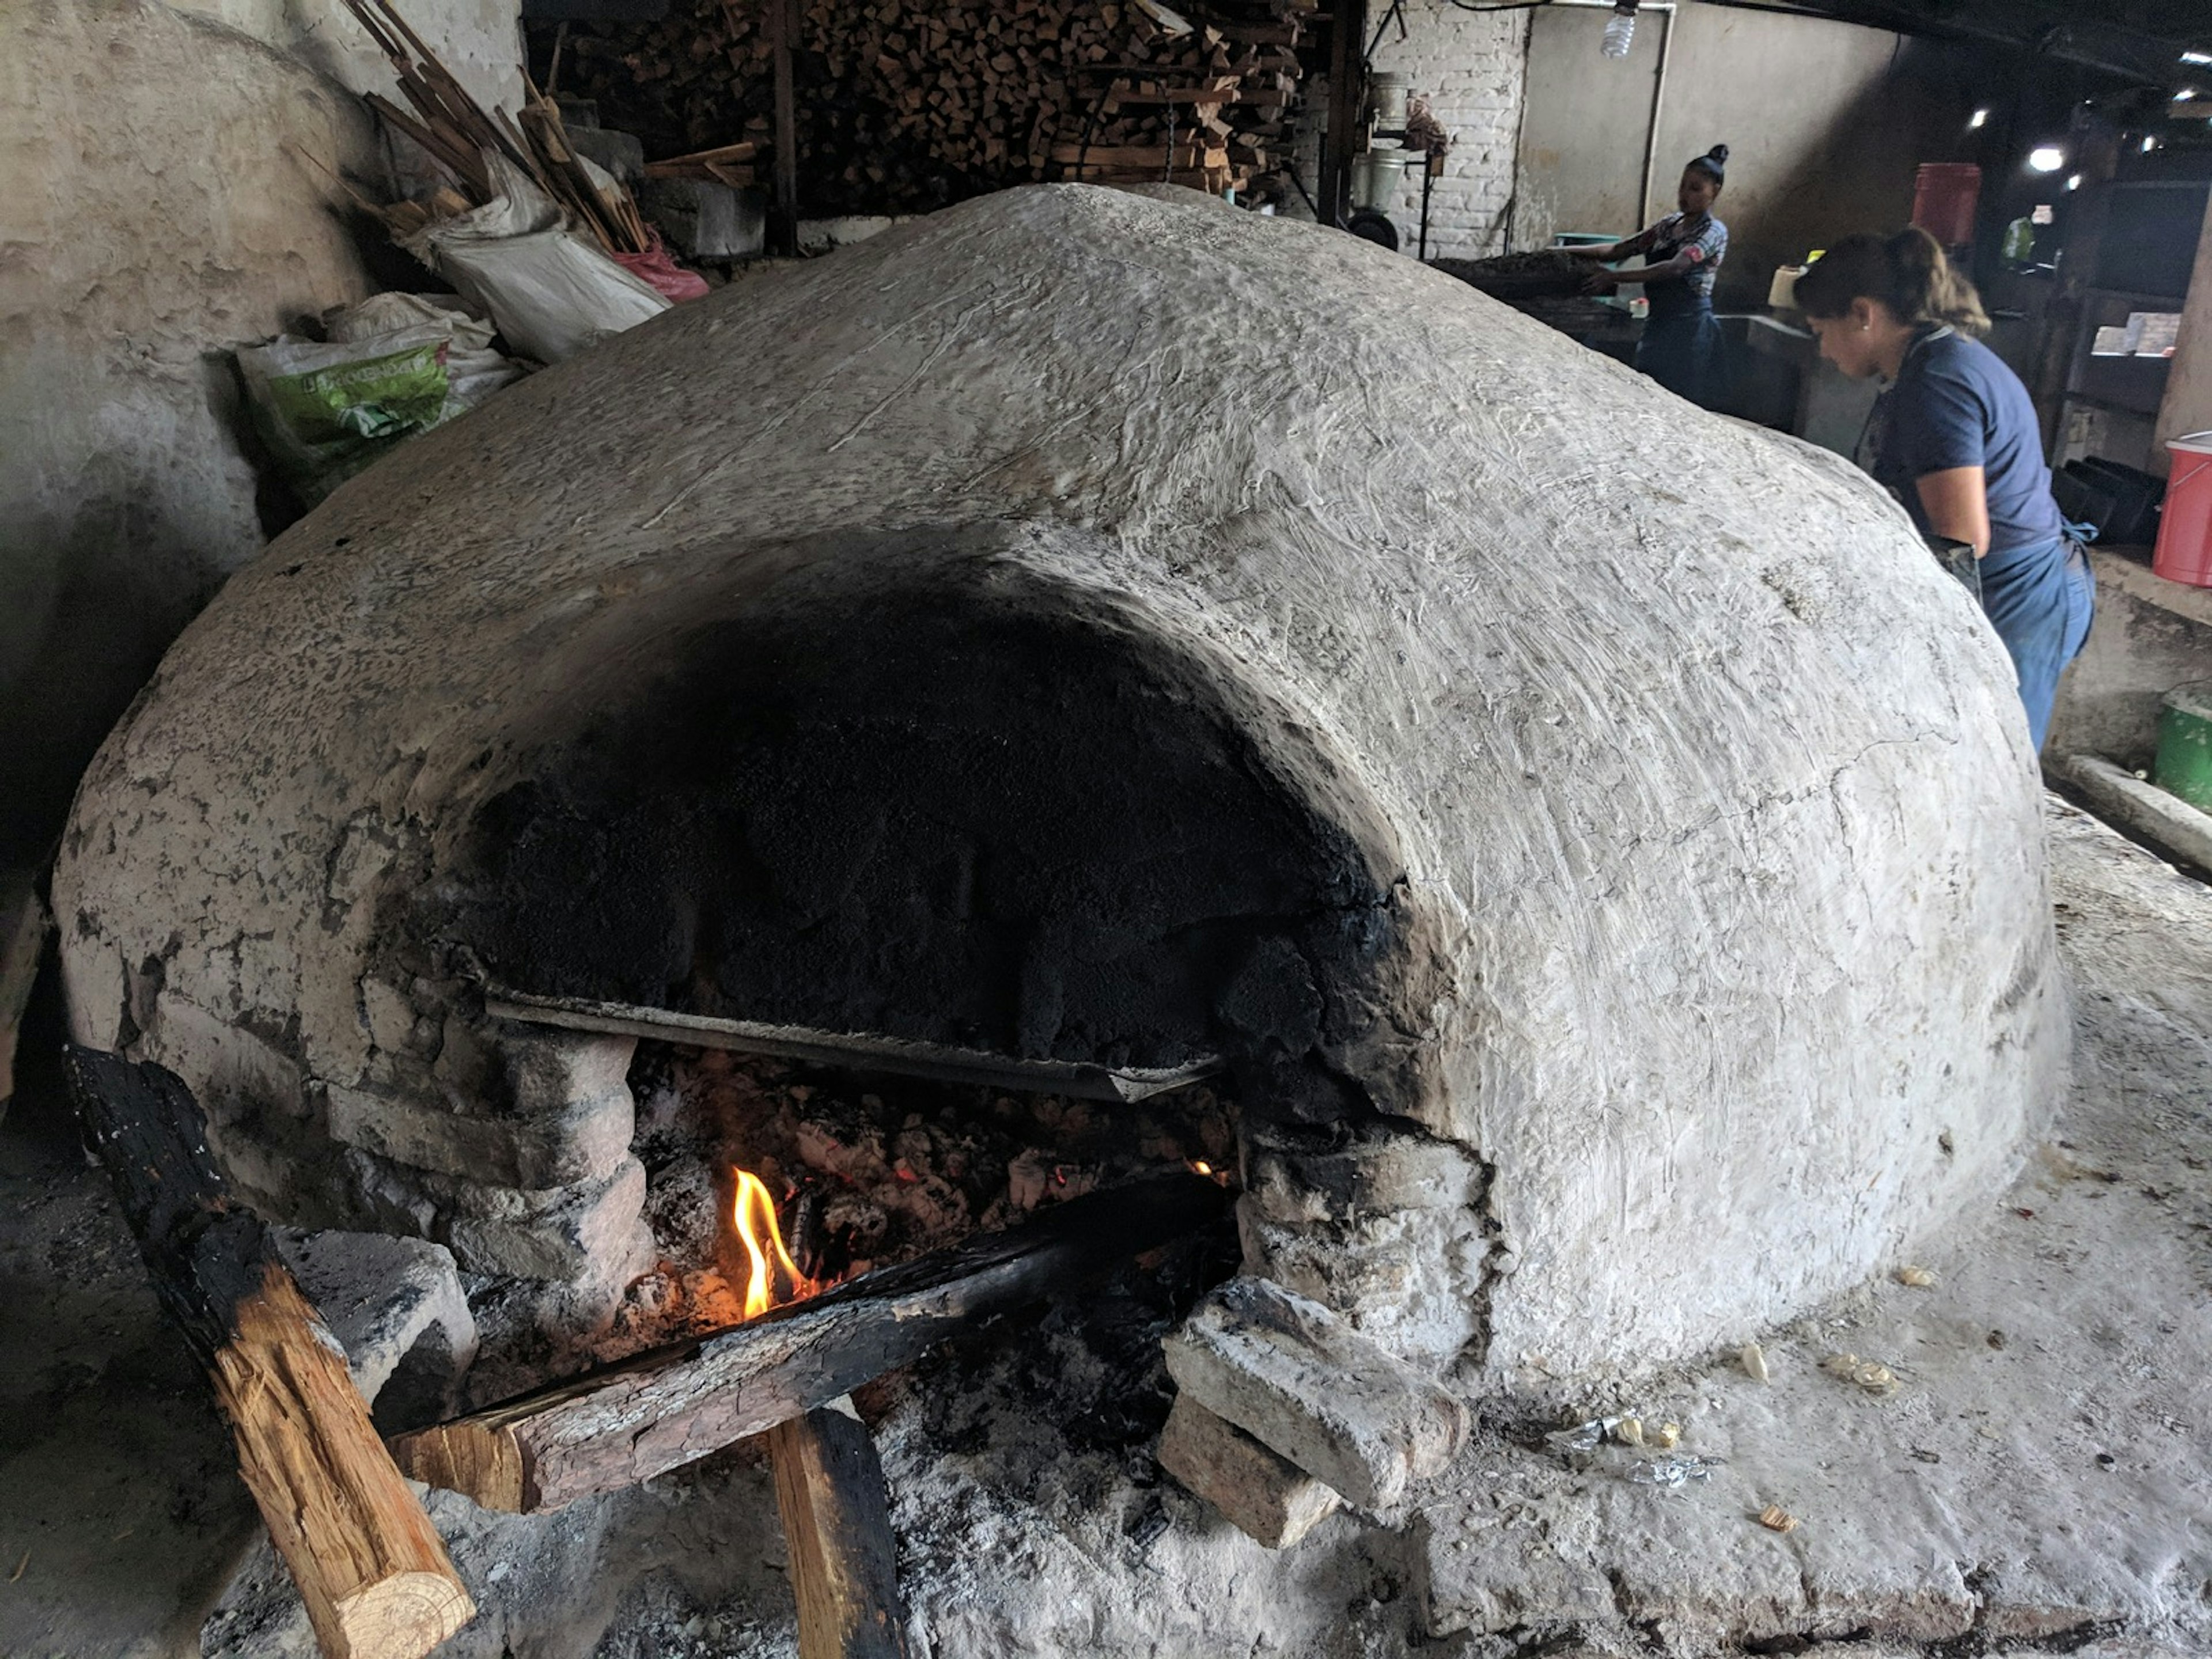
[
  {"x": 1681, "y": 344},
  {"x": 1956, "y": 439}
]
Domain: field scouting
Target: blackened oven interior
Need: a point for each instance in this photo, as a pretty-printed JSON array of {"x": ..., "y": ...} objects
[{"x": 954, "y": 816}]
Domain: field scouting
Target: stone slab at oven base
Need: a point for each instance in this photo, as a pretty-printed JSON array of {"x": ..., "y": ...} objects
[
  {"x": 394, "y": 1304},
  {"x": 1267, "y": 1497},
  {"x": 1299, "y": 1380}
]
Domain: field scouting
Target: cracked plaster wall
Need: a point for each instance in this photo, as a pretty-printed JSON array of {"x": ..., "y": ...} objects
[{"x": 1705, "y": 799}]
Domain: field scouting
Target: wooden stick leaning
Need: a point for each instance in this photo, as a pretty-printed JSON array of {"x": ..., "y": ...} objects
[
  {"x": 371, "y": 1570},
  {"x": 614, "y": 1427},
  {"x": 837, "y": 1525}
]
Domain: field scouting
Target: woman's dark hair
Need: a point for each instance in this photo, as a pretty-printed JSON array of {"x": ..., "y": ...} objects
[
  {"x": 1907, "y": 272},
  {"x": 1713, "y": 163}
]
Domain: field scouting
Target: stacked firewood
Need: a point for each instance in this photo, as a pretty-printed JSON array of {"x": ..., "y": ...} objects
[{"x": 905, "y": 105}]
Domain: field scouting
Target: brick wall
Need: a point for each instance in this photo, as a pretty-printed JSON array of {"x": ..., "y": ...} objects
[{"x": 1470, "y": 65}]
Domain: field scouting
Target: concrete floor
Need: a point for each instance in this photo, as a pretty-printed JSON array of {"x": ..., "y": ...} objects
[{"x": 2039, "y": 1482}]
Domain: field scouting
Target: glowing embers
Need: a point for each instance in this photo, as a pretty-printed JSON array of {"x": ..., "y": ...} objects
[{"x": 775, "y": 1278}]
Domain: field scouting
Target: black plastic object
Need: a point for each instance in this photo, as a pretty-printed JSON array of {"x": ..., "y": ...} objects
[
  {"x": 2122, "y": 501},
  {"x": 1372, "y": 227}
]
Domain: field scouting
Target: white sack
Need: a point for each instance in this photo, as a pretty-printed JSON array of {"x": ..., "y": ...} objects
[{"x": 551, "y": 293}]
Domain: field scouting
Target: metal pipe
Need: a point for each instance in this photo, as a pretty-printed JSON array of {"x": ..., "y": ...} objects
[{"x": 1658, "y": 107}]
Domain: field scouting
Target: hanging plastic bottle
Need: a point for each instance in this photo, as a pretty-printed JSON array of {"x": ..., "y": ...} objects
[{"x": 1620, "y": 30}]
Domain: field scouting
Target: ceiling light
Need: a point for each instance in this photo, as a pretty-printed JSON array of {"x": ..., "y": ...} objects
[
  {"x": 2073, "y": 182},
  {"x": 2196, "y": 57},
  {"x": 2185, "y": 94},
  {"x": 2046, "y": 158},
  {"x": 1978, "y": 120},
  {"x": 2150, "y": 143}
]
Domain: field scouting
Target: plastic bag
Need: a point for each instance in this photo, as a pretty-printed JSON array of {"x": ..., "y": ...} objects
[
  {"x": 658, "y": 266},
  {"x": 326, "y": 411},
  {"x": 550, "y": 293},
  {"x": 395, "y": 364},
  {"x": 473, "y": 370}
]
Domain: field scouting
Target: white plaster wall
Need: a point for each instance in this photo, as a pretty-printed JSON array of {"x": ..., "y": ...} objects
[
  {"x": 2187, "y": 406},
  {"x": 1471, "y": 66},
  {"x": 477, "y": 39},
  {"x": 156, "y": 211}
]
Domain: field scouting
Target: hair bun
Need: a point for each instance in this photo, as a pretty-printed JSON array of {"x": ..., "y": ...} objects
[{"x": 1719, "y": 153}]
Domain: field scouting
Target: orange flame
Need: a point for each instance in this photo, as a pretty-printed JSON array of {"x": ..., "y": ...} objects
[{"x": 764, "y": 1240}]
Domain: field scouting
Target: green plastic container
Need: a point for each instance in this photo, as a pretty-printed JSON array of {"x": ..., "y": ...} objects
[{"x": 2184, "y": 744}]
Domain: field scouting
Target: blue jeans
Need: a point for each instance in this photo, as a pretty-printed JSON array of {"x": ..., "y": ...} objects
[{"x": 2041, "y": 600}]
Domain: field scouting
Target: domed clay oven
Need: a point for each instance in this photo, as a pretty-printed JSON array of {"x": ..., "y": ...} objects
[{"x": 1089, "y": 627}]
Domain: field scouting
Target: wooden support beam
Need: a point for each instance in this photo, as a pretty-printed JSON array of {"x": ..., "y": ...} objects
[
  {"x": 837, "y": 1523},
  {"x": 370, "y": 1567},
  {"x": 614, "y": 1427},
  {"x": 783, "y": 222},
  {"x": 1347, "y": 91}
]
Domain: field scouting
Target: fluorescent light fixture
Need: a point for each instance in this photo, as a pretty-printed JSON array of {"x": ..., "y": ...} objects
[
  {"x": 2185, "y": 94},
  {"x": 1978, "y": 120},
  {"x": 2073, "y": 182},
  {"x": 2196, "y": 57},
  {"x": 2046, "y": 158},
  {"x": 2150, "y": 143}
]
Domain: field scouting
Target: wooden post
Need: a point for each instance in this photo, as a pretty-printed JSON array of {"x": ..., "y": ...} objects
[
  {"x": 783, "y": 223},
  {"x": 371, "y": 1570},
  {"x": 1347, "y": 90},
  {"x": 629, "y": 1422},
  {"x": 836, "y": 1520}
]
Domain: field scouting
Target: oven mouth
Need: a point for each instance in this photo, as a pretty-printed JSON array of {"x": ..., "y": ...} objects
[{"x": 960, "y": 825}]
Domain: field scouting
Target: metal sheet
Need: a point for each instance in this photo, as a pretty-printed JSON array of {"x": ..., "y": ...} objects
[{"x": 855, "y": 1048}]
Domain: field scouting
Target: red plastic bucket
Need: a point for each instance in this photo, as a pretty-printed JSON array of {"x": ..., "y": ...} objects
[
  {"x": 1944, "y": 194},
  {"x": 2184, "y": 527}
]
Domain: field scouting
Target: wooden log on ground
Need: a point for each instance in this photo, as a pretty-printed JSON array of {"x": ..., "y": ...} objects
[
  {"x": 24, "y": 926},
  {"x": 837, "y": 1523},
  {"x": 614, "y": 1427},
  {"x": 370, "y": 1567}
]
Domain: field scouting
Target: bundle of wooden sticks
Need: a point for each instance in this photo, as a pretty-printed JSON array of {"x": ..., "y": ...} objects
[{"x": 457, "y": 132}]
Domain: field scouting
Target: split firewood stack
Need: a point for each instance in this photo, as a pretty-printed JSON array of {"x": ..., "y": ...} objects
[{"x": 904, "y": 105}]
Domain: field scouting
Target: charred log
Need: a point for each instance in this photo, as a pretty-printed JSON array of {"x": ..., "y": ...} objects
[{"x": 618, "y": 1426}]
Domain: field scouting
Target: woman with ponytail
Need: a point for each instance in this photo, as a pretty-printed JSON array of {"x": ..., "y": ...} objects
[
  {"x": 1955, "y": 440},
  {"x": 1681, "y": 344}
]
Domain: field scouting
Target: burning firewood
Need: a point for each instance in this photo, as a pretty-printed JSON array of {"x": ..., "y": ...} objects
[
  {"x": 370, "y": 1567},
  {"x": 623, "y": 1424}
]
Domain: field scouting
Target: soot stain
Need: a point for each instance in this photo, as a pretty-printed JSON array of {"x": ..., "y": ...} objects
[{"x": 932, "y": 820}]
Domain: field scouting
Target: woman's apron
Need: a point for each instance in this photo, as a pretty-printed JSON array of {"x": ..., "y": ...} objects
[
  {"x": 1681, "y": 344},
  {"x": 2041, "y": 600}
]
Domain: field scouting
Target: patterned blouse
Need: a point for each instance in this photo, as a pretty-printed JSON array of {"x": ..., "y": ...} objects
[{"x": 1704, "y": 239}]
